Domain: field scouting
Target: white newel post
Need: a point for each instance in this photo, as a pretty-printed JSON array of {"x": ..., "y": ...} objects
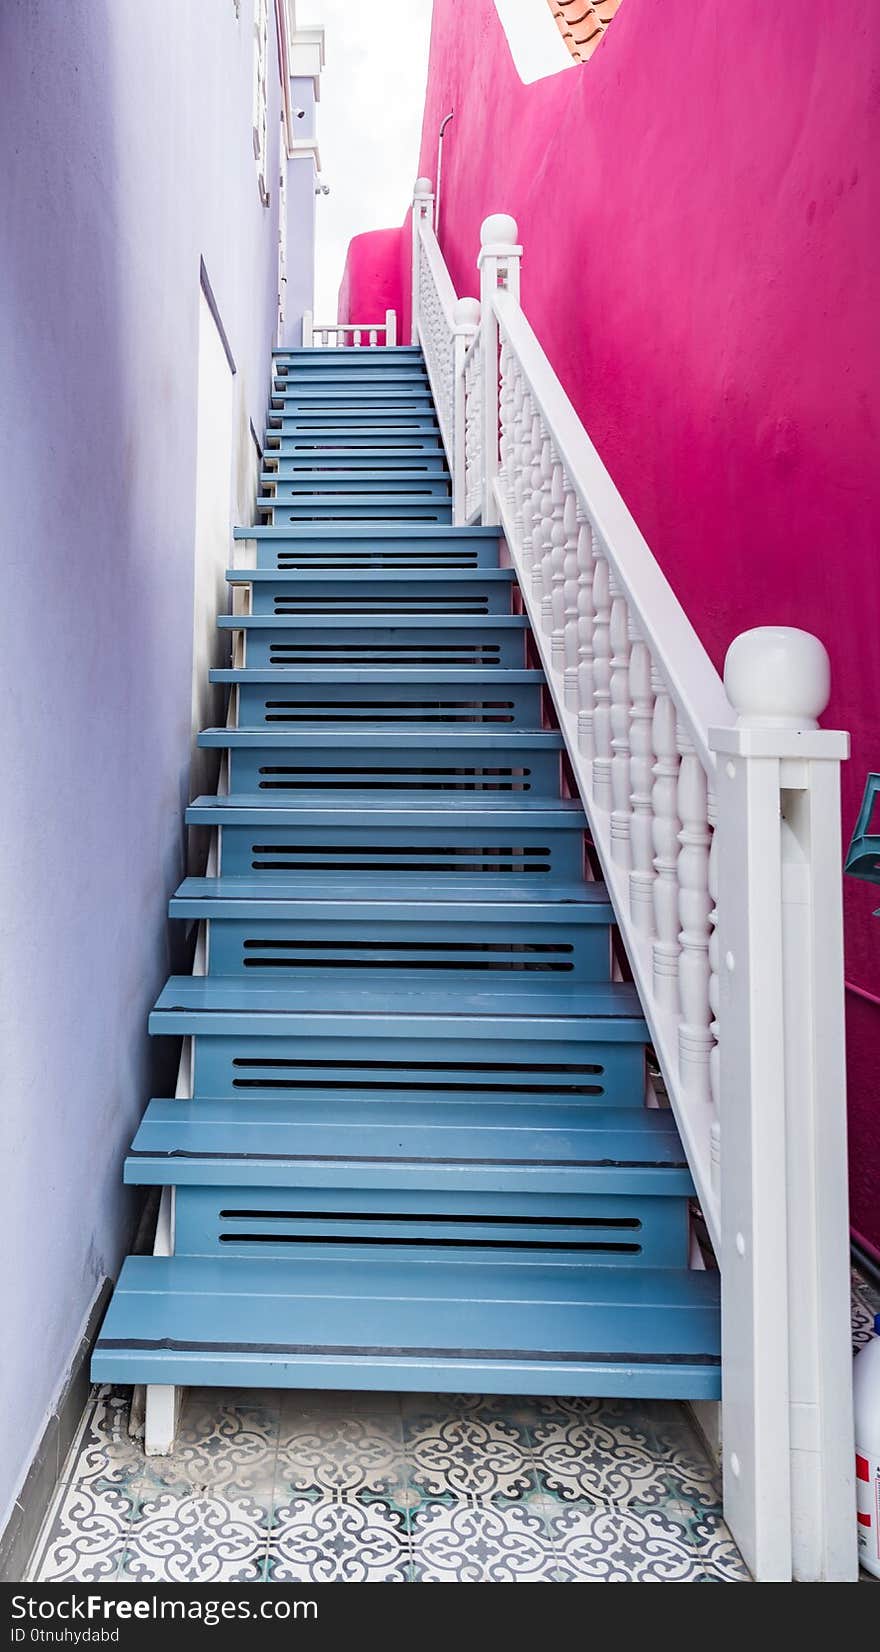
[
  {"x": 499, "y": 265},
  {"x": 390, "y": 326},
  {"x": 422, "y": 212},
  {"x": 308, "y": 323},
  {"x": 466, "y": 317},
  {"x": 787, "y": 1423}
]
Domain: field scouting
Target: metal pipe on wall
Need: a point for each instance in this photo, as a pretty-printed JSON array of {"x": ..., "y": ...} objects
[{"x": 443, "y": 125}]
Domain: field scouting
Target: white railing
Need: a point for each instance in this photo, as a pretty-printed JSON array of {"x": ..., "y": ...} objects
[
  {"x": 337, "y": 335},
  {"x": 714, "y": 810}
]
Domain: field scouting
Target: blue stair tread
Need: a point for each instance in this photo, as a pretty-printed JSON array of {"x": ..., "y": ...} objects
[
  {"x": 314, "y": 809},
  {"x": 306, "y": 353},
  {"x": 481, "y": 623},
  {"x": 352, "y": 500},
  {"x": 393, "y": 1004},
  {"x": 324, "y": 475},
  {"x": 498, "y": 676},
  {"x": 368, "y": 530},
  {"x": 540, "y": 1146},
  {"x": 407, "y": 895},
  {"x": 363, "y": 735},
  {"x": 344, "y": 1317},
  {"x": 372, "y": 576},
  {"x": 347, "y": 454}
]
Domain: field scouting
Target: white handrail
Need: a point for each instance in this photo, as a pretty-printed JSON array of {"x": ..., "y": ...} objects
[{"x": 714, "y": 809}]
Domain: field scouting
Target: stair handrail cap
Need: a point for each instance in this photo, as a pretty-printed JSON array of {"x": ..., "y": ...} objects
[
  {"x": 499, "y": 229},
  {"x": 423, "y": 186},
  {"x": 776, "y": 675},
  {"x": 466, "y": 312}
]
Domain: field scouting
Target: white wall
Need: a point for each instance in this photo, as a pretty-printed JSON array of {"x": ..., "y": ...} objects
[{"x": 125, "y": 131}]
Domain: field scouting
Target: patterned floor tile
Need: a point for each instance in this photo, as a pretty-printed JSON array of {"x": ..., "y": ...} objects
[
  {"x": 340, "y": 1451},
  {"x": 105, "y": 1451},
  {"x": 468, "y": 1454},
  {"x": 85, "y": 1534},
  {"x": 338, "y": 1540},
  {"x": 226, "y": 1443},
  {"x": 197, "y": 1538},
  {"x": 636, "y": 1544},
  {"x": 467, "y": 1542},
  {"x": 619, "y": 1452},
  {"x": 865, "y": 1304}
]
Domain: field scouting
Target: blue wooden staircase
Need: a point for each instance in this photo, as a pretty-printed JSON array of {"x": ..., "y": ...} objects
[{"x": 417, "y": 1153}]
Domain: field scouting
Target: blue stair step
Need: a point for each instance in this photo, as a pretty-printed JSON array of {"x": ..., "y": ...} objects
[
  {"x": 498, "y": 835},
  {"x": 288, "y": 932},
  {"x": 342, "y": 895},
  {"x": 383, "y": 591},
  {"x": 430, "y": 545},
  {"x": 340, "y": 507},
  {"x": 354, "y": 380},
  {"x": 340, "y": 1317},
  {"x": 421, "y": 759},
  {"x": 295, "y": 438},
  {"x": 355, "y": 388},
  {"x": 348, "y": 640},
  {"x": 389, "y": 1007},
  {"x": 543, "y": 1146},
  {"x": 322, "y": 463},
  {"x": 299, "y": 696},
  {"x": 338, "y": 482}
]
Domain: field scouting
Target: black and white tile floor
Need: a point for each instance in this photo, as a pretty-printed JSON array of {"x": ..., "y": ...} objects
[{"x": 319, "y": 1487}]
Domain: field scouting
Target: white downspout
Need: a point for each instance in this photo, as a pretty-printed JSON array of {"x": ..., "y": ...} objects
[{"x": 443, "y": 125}]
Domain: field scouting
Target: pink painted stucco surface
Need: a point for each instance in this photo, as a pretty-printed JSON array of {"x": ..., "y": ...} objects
[
  {"x": 371, "y": 280},
  {"x": 698, "y": 206}
]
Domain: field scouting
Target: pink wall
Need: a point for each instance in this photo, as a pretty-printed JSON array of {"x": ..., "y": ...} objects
[
  {"x": 371, "y": 280},
  {"x": 699, "y": 212}
]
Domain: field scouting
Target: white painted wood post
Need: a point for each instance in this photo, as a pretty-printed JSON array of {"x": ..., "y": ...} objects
[
  {"x": 787, "y": 1423},
  {"x": 390, "y": 326},
  {"x": 308, "y": 321},
  {"x": 499, "y": 265},
  {"x": 422, "y": 212},
  {"x": 466, "y": 317}
]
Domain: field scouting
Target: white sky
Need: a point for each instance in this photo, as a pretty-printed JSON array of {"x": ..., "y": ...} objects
[{"x": 369, "y": 122}]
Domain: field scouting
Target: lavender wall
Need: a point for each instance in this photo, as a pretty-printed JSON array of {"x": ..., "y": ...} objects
[
  {"x": 301, "y": 180},
  {"x": 125, "y": 130},
  {"x": 698, "y": 206}
]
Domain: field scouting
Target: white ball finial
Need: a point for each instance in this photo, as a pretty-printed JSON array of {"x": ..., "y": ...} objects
[
  {"x": 777, "y": 676},
  {"x": 499, "y": 229},
  {"x": 423, "y": 186},
  {"x": 466, "y": 312}
]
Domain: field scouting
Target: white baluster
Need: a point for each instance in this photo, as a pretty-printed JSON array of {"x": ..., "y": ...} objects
[
  {"x": 621, "y": 812},
  {"x": 516, "y": 439},
  {"x": 587, "y": 553},
  {"x": 602, "y": 685},
  {"x": 541, "y": 473},
  {"x": 531, "y": 489},
  {"x": 714, "y": 978},
  {"x": 694, "y": 1038},
  {"x": 563, "y": 647},
  {"x": 505, "y": 417},
  {"x": 664, "y": 802},
  {"x": 555, "y": 547},
  {"x": 641, "y": 779}
]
